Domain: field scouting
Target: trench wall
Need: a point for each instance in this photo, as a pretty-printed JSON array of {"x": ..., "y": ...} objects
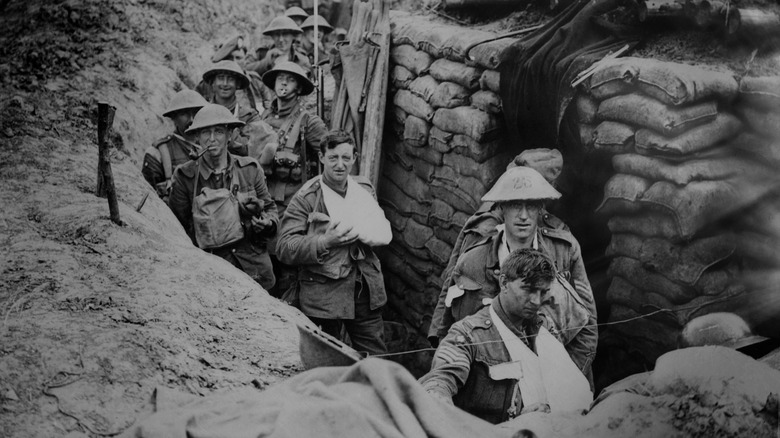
[
  {"x": 443, "y": 149},
  {"x": 691, "y": 199}
]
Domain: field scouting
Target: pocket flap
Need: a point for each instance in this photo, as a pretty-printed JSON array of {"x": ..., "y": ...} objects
[{"x": 507, "y": 370}]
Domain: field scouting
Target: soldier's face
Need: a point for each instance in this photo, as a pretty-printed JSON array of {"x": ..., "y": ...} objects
[
  {"x": 522, "y": 300},
  {"x": 183, "y": 119},
  {"x": 521, "y": 219},
  {"x": 337, "y": 162},
  {"x": 214, "y": 139},
  {"x": 225, "y": 85},
  {"x": 285, "y": 85},
  {"x": 283, "y": 40}
]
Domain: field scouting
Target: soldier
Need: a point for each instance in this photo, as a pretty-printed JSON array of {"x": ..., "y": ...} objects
[
  {"x": 505, "y": 360},
  {"x": 295, "y": 159},
  {"x": 222, "y": 200},
  {"x": 309, "y": 41},
  {"x": 283, "y": 30},
  {"x": 225, "y": 78},
  {"x": 518, "y": 198},
  {"x": 297, "y": 14},
  {"x": 328, "y": 231},
  {"x": 169, "y": 152}
]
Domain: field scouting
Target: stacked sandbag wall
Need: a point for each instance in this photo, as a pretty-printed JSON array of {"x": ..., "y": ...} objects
[
  {"x": 443, "y": 149},
  {"x": 692, "y": 206}
]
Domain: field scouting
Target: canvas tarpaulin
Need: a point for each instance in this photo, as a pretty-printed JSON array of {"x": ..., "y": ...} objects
[
  {"x": 373, "y": 398},
  {"x": 537, "y": 70}
]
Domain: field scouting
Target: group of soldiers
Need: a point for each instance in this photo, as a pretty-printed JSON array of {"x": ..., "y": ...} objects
[{"x": 257, "y": 179}]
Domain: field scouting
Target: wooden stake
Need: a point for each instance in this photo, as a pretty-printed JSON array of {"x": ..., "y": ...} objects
[{"x": 105, "y": 183}]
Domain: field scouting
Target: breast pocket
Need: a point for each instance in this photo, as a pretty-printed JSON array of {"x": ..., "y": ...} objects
[{"x": 474, "y": 296}]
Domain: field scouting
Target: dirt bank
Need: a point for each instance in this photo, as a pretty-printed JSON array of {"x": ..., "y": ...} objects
[{"x": 95, "y": 315}]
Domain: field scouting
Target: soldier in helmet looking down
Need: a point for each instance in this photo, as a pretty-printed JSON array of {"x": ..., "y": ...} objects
[
  {"x": 169, "y": 152},
  {"x": 222, "y": 200}
]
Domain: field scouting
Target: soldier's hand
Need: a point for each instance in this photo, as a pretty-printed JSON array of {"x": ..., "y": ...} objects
[
  {"x": 338, "y": 235},
  {"x": 259, "y": 224},
  {"x": 536, "y": 407},
  {"x": 273, "y": 54}
]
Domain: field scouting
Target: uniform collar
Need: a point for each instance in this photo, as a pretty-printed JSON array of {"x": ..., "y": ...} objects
[
  {"x": 503, "y": 246},
  {"x": 207, "y": 172}
]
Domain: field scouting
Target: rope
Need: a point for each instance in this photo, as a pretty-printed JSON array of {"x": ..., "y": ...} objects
[{"x": 604, "y": 324}]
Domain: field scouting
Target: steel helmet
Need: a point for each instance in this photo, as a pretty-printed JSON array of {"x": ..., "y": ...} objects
[
  {"x": 521, "y": 184},
  {"x": 718, "y": 328},
  {"x": 213, "y": 115},
  {"x": 296, "y": 11},
  {"x": 269, "y": 78},
  {"x": 227, "y": 48},
  {"x": 229, "y": 67},
  {"x": 185, "y": 99},
  {"x": 282, "y": 24},
  {"x": 322, "y": 23}
]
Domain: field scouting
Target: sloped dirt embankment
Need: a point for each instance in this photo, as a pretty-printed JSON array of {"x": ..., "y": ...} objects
[{"x": 95, "y": 316}]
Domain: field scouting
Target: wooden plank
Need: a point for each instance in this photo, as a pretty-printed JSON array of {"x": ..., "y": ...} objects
[{"x": 105, "y": 182}]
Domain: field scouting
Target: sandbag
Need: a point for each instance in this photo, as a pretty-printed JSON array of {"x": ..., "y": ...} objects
[
  {"x": 449, "y": 95},
  {"x": 699, "y": 138},
  {"x": 448, "y": 41},
  {"x": 762, "y": 92},
  {"x": 632, "y": 271},
  {"x": 416, "y": 131},
  {"x": 681, "y": 262},
  {"x": 393, "y": 260},
  {"x": 611, "y": 88},
  {"x": 764, "y": 122},
  {"x": 702, "y": 203},
  {"x": 416, "y": 234},
  {"x": 426, "y": 154},
  {"x": 613, "y": 137},
  {"x": 487, "y": 172},
  {"x": 423, "y": 169},
  {"x": 621, "y": 292},
  {"x": 414, "y": 60},
  {"x": 469, "y": 121},
  {"x": 399, "y": 116},
  {"x": 397, "y": 220},
  {"x": 441, "y": 214},
  {"x": 440, "y": 140},
  {"x": 638, "y": 109},
  {"x": 449, "y": 235},
  {"x": 655, "y": 169},
  {"x": 758, "y": 148},
  {"x": 446, "y": 70},
  {"x": 414, "y": 105},
  {"x": 650, "y": 337},
  {"x": 490, "y": 80},
  {"x": 763, "y": 216},
  {"x": 621, "y": 194},
  {"x": 646, "y": 224},
  {"x": 759, "y": 249},
  {"x": 477, "y": 151},
  {"x": 391, "y": 196},
  {"x": 587, "y": 135},
  {"x": 587, "y": 108},
  {"x": 410, "y": 184},
  {"x": 462, "y": 193},
  {"x": 401, "y": 77},
  {"x": 669, "y": 82},
  {"x": 486, "y": 101},
  {"x": 424, "y": 86},
  {"x": 439, "y": 250}
]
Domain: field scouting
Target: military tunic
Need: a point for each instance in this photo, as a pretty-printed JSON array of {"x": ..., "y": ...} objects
[
  {"x": 249, "y": 254},
  {"x": 153, "y": 169}
]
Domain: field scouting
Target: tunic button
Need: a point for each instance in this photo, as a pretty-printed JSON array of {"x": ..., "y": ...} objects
[
  {"x": 488, "y": 322},
  {"x": 233, "y": 250},
  {"x": 544, "y": 231},
  {"x": 496, "y": 271},
  {"x": 460, "y": 286}
]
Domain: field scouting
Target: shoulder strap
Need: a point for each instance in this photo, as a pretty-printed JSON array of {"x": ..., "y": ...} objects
[
  {"x": 165, "y": 157},
  {"x": 195, "y": 186}
]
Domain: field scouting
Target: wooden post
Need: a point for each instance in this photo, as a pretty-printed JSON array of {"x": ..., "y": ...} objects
[{"x": 105, "y": 182}]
